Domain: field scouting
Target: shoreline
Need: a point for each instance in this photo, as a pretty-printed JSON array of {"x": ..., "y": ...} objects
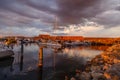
[{"x": 104, "y": 66}]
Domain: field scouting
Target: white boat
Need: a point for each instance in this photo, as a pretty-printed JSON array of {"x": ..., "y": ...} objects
[
  {"x": 5, "y": 52},
  {"x": 73, "y": 43},
  {"x": 51, "y": 44}
]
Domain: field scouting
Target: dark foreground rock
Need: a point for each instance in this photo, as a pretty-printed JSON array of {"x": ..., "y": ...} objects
[{"x": 105, "y": 66}]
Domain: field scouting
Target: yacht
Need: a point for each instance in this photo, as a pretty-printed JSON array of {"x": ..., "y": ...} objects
[{"x": 5, "y": 51}]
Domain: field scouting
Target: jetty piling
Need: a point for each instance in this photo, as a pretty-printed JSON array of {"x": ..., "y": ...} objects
[
  {"x": 40, "y": 63},
  {"x": 40, "y": 57}
]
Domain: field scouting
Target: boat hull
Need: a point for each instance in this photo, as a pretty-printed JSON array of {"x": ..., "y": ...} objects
[{"x": 6, "y": 53}]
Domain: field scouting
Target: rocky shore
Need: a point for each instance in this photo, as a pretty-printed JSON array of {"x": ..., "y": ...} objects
[{"x": 105, "y": 66}]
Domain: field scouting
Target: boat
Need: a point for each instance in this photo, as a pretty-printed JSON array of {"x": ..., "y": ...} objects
[
  {"x": 5, "y": 52},
  {"x": 73, "y": 43},
  {"x": 50, "y": 44}
]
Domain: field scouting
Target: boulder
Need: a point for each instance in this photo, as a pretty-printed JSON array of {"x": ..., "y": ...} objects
[
  {"x": 85, "y": 76},
  {"x": 72, "y": 78},
  {"x": 97, "y": 76},
  {"x": 113, "y": 71},
  {"x": 105, "y": 66}
]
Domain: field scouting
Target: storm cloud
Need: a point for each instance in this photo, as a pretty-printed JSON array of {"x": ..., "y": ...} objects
[
  {"x": 73, "y": 12},
  {"x": 41, "y": 14}
]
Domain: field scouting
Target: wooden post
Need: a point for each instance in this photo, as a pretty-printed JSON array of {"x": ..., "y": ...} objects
[
  {"x": 40, "y": 63},
  {"x": 40, "y": 57}
]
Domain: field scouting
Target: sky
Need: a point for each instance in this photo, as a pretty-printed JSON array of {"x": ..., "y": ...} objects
[{"x": 92, "y": 18}]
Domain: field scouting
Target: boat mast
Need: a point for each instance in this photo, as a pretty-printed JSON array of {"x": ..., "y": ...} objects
[{"x": 55, "y": 25}]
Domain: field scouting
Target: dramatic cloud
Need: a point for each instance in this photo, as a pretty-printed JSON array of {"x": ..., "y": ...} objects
[
  {"x": 109, "y": 18},
  {"x": 40, "y": 15},
  {"x": 72, "y": 12}
]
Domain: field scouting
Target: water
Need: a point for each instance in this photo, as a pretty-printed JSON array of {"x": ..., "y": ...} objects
[{"x": 56, "y": 62}]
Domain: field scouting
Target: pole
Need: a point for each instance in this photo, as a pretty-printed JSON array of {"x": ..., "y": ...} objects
[
  {"x": 40, "y": 57},
  {"x": 40, "y": 63}
]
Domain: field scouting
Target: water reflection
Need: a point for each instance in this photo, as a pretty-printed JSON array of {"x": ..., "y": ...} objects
[
  {"x": 83, "y": 53},
  {"x": 55, "y": 51},
  {"x": 21, "y": 56},
  {"x": 33, "y": 62},
  {"x": 6, "y": 63}
]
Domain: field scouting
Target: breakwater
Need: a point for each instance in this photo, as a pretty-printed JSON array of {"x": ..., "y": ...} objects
[{"x": 103, "y": 67}]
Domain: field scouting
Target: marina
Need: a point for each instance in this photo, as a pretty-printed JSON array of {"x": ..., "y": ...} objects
[
  {"x": 59, "y": 40},
  {"x": 44, "y": 62}
]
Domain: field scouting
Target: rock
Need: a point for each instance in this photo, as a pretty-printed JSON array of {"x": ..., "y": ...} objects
[
  {"x": 113, "y": 71},
  {"x": 107, "y": 76},
  {"x": 96, "y": 68},
  {"x": 115, "y": 77},
  {"x": 96, "y": 76},
  {"x": 66, "y": 78},
  {"x": 85, "y": 76},
  {"x": 107, "y": 63},
  {"x": 78, "y": 72},
  {"x": 105, "y": 66},
  {"x": 116, "y": 61},
  {"x": 72, "y": 78}
]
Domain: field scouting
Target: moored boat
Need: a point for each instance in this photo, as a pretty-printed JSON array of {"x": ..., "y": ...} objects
[{"x": 5, "y": 52}]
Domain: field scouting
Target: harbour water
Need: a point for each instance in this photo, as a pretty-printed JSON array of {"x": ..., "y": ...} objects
[{"x": 57, "y": 62}]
